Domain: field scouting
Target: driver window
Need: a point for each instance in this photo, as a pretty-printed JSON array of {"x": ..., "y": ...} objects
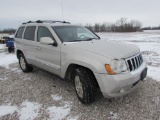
[{"x": 43, "y": 32}]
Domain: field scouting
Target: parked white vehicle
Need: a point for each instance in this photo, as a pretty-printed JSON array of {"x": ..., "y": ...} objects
[
  {"x": 76, "y": 53},
  {"x": 3, "y": 37}
]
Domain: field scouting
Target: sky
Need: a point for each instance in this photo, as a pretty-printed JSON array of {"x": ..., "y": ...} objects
[{"x": 14, "y": 12}]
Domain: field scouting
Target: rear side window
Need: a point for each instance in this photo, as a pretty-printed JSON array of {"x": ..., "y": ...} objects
[
  {"x": 43, "y": 32},
  {"x": 20, "y": 32},
  {"x": 29, "y": 33}
]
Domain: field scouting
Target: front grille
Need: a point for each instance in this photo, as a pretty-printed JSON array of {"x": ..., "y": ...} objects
[{"x": 134, "y": 62}]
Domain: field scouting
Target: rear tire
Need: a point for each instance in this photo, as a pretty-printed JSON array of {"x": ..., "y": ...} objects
[
  {"x": 9, "y": 49},
  {"x": 85, "y": 85},
  {"x": 23, "y": 64}
]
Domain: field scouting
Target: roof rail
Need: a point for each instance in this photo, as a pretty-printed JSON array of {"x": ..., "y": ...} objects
[{"x": 46, "y": 21}]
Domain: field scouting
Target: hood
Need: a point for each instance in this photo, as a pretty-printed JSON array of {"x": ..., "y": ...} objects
[{"x": 109, "y": 49}]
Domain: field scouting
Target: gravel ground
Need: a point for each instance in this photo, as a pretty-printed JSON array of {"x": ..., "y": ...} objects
[{"x": 39, "y": 86}]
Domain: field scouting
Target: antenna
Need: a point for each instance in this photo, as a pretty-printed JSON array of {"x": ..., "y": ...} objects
[{"x": 62, "y": 12}]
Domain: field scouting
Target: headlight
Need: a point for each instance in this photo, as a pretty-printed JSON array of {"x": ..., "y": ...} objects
[{"x": 116, "y": 66}]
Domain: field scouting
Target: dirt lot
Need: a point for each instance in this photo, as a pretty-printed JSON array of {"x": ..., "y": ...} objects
[
  {"x": 41, "y": 95},
  {"x": 44, "y": 90}
]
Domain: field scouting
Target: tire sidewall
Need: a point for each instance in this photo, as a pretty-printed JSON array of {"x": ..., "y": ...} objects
[
  {"x": 83, "y": 99},
  {"x": 22, "y": 56},
  {"x": 9, "y": 49},
  {"x": 28, "y": 67}
]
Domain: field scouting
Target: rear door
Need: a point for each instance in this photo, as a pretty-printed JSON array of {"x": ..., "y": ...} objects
[
  {"x": 47, "y": 56},
  {"x": 18, "y": 38},
  {"x": 29, "y": 44}
]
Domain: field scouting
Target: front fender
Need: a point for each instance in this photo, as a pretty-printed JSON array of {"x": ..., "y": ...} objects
[{"x": 94, "y": 62}]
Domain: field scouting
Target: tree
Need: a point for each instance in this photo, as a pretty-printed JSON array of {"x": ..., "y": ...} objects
[
  {"x": 97, "y": 27},
  {"x": 9, "y": 30},
  {"x": 103, "y": 27},
  {"x": 121, "y": 25},
  {"x": 89, "y": 26},
  {"x": 136, "y": 25}
]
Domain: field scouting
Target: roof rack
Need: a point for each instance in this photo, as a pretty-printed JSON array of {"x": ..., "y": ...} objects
[{"x": 46, "y": 21}]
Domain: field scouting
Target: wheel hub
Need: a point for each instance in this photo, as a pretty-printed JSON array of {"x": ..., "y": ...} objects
[
  {"x": 22, "y": 63},
  {"x": 78, "y": 86}
]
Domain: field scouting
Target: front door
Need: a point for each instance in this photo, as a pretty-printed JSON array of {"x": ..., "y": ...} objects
[{"x": 47, "y": 56}]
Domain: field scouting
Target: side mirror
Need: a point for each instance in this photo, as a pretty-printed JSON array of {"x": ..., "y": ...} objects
[{"x": 46, "y": 40}]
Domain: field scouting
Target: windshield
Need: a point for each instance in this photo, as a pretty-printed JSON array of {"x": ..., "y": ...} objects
[{"x": 74, "y": 33}]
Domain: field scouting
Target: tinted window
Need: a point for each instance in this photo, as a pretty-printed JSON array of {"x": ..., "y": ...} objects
[
  {"x": 20, "y": 32},
  {"x": 43, "y": 32},
  {"x": 29, "y": 33},
  {"x": 74, "y": 33}
]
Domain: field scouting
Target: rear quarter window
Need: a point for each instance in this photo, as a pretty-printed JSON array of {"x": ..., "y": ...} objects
[
  {"x": 30, "y": 33},
  {"x": 20, "y": 32}
]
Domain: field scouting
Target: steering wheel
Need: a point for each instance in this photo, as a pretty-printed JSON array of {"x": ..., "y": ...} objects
[{"x": 81, "y": 36}]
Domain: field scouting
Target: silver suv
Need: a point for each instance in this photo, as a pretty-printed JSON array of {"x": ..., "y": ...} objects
[{"x": 75, "y": 53}]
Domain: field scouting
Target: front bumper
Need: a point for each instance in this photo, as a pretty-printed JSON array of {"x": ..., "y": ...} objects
[{"x": 120, "y": 84}]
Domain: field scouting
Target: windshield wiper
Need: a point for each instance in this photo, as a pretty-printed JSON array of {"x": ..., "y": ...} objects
[
  {"x": 89, "y": 39},
  {"x": 75, "y": 41}
]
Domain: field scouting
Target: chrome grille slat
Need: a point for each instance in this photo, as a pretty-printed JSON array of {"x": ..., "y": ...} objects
[
  {"x": 137, "y": 61},
  {"x": 141, "y": 58},
  {"x": 134, "y": 62}
]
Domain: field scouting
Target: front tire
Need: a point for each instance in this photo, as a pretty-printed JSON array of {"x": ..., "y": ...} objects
[
  {"x": 85, "y": 85},
  {"x": 23, "y": 64}
]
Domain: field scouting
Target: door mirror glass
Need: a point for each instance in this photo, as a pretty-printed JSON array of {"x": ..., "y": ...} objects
[{"x": 46, "y": 40}]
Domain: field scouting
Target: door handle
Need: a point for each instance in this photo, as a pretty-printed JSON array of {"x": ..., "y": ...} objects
[{"x": 38, "y": 48}]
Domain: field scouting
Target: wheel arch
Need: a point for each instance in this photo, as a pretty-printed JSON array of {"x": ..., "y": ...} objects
[{"x": 70, "y": 72}]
